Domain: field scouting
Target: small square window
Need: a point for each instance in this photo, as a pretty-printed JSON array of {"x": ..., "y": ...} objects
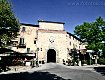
[
  {"x": 23, "y": 29},
  {"x": 28, "y": 50}
]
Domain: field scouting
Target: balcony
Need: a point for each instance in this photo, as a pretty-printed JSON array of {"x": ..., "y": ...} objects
[{"x": 22, "y": 46}]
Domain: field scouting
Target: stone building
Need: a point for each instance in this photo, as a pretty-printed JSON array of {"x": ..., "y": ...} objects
[{"x": 47, "y": 41}]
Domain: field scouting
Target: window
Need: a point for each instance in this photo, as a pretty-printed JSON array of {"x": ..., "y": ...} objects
[
  {"x": 40, "y": 62},
  {"x": 41, "y": 49},
  {"x": 28, "y": 50},
  {"x": 14, "y": 44},
  {"x": 70, "y": 37},
  {"x": 21, "y": 40},
  {"x": 70, "y": 43},
  {"x": 34, "y": 42},
  {"x": 23, "y": 29},
  {"x": 21, "y": 43},
  {"x": 73, "y": 45}
]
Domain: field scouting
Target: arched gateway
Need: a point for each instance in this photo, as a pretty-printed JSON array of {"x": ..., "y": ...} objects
[{"x": 51, "y": 56}]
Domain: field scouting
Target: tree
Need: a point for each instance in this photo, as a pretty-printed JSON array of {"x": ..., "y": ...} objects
[
  {"x": 93, "y": 33},
  {"x": 9, "y": 25}
]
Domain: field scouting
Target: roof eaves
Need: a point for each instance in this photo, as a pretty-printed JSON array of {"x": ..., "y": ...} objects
[
  {"x": 29, "y": 25},
  {"x": 50, "y": 22},
  {"x": 74, "y": 36}
]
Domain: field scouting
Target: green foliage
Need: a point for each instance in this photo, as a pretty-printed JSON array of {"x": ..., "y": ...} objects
[
  {"x": 93, "y": 33},
  {"x": 87, "y": 62},
  {"x": 101, "y": 61},
  {"x": 9, "y": 25},
  {"x": 17, "y": 63}
]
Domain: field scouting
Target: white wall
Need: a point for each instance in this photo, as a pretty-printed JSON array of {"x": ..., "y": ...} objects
[
  {"x": 59, "y": 45},
  {"x": 51, "y": 26}
]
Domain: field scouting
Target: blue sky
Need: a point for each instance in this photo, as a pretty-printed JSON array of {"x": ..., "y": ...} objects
[{"x": 71, "y": 12}]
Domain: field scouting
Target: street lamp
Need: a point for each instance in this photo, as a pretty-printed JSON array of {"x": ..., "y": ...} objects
[
  {"x": 90, "y": 57},
  {"x": 79, "y": 64},
  {"x": 90, "y": 54}
]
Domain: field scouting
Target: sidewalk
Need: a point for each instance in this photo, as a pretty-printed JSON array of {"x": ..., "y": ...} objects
[
  {"x": 17, "y": 69},
  {"x": 98, "y": 65},
  {"x": 87, "y": 67}
]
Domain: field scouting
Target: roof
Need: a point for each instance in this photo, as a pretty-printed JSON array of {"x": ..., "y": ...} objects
[
  {"x": 50, "y": 22},
  {"x": 74, "y": 36},
  {"x": 29, "y": 25}
]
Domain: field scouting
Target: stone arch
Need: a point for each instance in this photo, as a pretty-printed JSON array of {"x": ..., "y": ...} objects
[{"x": 51, "y": 56}]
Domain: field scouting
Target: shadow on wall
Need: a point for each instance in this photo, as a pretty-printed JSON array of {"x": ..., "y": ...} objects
[
  {"x": 31, "y": 76},
  {"x": 100, "y": 70}
]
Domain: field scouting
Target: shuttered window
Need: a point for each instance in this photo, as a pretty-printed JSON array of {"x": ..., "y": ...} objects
[{"x": 21, "y": 40}]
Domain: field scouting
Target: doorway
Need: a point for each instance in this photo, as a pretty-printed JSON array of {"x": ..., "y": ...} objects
[{"x": 51, "y": 56}]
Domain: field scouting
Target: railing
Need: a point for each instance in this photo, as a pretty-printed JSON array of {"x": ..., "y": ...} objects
[{"x": 22, "y": 46}]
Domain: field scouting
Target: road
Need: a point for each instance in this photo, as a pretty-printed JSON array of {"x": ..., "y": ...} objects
[
  {"x": 75, "y": 73},
  {"x": 53, "y": 71}
]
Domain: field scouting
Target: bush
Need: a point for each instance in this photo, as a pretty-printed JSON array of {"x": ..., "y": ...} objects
[
  {"x": 17, "y": 63},
  {"x": 101, "y": 61},
  {"x": 84, "y": 61},
  {"x": 88, "y": 62}
]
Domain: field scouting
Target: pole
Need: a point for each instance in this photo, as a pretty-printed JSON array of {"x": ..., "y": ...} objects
[
  {"x": 37, "y": 64},
  {"x": 95, "y": 59},
  {"x": 84, "y": 58},
  {"x": 78, "y": 58},
  {"x": 90, "y": 58}
]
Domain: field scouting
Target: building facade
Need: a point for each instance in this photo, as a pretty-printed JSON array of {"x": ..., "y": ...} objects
[{"x": 47, "y": 41}]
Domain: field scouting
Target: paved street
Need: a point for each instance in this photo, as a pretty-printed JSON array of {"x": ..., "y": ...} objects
[
  {"x": 77, "y": 73},
  {"x": 53, "y": 71}
]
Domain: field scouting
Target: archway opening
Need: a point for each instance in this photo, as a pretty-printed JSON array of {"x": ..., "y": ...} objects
[{"x": 51, "y": 56}]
